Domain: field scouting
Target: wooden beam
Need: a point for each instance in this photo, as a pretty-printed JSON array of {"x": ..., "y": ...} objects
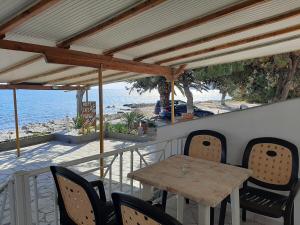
[
  {"x": 101, "y": 118},
  {"x": 23, "y": 63},
  {"x": 78, "y": 58},
  {"x": 41, "y": 75},
  {"x": 66, "y": 78},
  {"x": 16, "y": 122},
  {"x": 271, "y": 20},
  {"x": 84, "y": 82},
  {"x": 186, "y": 25},
  {"x": 38, "y": 87},
  {"x": 172, "y": 101},
  {"x": 179, "y": 71},
  {"x": 131, "y": 12},
  {"x": 232, "y": 44},
  {"x": 26, "y": 15}
]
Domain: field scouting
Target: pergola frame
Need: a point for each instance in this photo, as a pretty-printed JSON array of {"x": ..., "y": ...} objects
[{"x": 61, "y": 53}]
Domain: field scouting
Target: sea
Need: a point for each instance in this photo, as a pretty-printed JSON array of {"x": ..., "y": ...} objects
[{"x": 42, "y": 106}]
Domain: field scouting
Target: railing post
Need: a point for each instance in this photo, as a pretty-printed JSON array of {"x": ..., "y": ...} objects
[
  {"x": 11, "y": 200},
  {"x": 22, "y": 199}
]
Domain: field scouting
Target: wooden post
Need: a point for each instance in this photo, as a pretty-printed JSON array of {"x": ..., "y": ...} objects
[
  {"x": 173, "y": 106},
  {"x": 101, "y": 130},
  {"x": 16, "y": 123}
]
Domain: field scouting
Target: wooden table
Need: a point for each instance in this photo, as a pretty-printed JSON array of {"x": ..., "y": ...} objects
[{"x": 202, "y": 181}]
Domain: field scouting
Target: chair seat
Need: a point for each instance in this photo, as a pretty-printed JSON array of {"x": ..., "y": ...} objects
[{"x": 263, "y": 202}]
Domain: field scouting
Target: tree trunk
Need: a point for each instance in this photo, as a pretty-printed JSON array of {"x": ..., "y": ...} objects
[
  {"x": 189, "y": 98},
  {"x": 164, "y": 90},
  {"x": 285, "y": 80},
  {"x": 79, "y": 96},
  {"x": 223, "y": 97}
]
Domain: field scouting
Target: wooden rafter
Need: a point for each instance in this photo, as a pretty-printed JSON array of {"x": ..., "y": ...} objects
[
  {"x": 186, "y": 25},
  {"x": 26, "y": 15},
  {"x": 274, "y": 19},
  {"x": 131, "y": 12},
  {"x": 41, "y": 75},
  {"x": 232, "y": 44},
  {"x": 23, "y": 63},
  {"x": 78, "y": 58},
  {"x": 39, "y": 87},
  {"x": 84, "y": 82},
  {"x": 72, "y": 77}
]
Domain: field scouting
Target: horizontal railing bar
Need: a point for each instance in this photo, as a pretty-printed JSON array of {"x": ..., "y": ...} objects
[{"x": 97, "y": 156}]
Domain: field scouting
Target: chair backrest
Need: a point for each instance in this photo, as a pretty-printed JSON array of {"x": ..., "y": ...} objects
[
  {"x": 206, "y": 144},
  {"x": 274, "y": 162},
  {"x": 77, "y": 198},
  {"x": 133, "y": 211}
]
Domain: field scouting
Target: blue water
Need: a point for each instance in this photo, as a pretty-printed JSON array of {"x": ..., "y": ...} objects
[{"x": 42, "y": 106}]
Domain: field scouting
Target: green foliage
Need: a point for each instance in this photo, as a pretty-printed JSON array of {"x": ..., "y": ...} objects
[
  {"x": 132, "y": 119},
  {"x": 78, "y": 121},
  {"x": 117, "y": 128}
]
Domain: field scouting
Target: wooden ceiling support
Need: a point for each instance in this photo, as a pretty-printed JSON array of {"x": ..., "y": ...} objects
[
  {"x": 186, "y": 25},
  {"x": 38, "y": 87},
  {"x": 26, "y": 15},
  {"x": 78, "y": 58},
  {"x": 131, "y": 12},
  {"x": 18, "y": 65},
  {"x": 76, "y": 76},
  {"x": 37, "y": 76},
  {"x": 232, "y": 44},
  {"x": 274, "y": 19}
]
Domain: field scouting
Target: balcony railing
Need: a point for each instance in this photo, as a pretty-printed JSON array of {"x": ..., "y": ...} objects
[{"x": 29, "y": 197}]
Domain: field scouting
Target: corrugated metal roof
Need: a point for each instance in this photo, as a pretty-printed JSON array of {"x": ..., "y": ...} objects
[
  {"x": 69, "y": 17},
  {"x": 164, "y": 16},
  {"x": 245, "y": 16},
  {"x": 9, "y": 8}
]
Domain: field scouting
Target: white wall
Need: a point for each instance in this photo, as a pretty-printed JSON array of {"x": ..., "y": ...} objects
[{"x": 281, "y": 120}]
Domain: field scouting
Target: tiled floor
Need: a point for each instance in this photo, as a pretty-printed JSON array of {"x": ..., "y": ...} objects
[{"x": 191, "y": 217}]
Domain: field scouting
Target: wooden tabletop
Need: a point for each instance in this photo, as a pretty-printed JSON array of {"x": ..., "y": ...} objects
[{"x": 200, "y": 180}]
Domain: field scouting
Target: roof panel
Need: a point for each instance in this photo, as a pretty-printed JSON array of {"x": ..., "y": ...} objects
[
  {"x": 246, "y": 16},
  {"x": 69, "y": 17},
  {"x": 168, "y": 14},
  {"x": 9, "y": 8}
]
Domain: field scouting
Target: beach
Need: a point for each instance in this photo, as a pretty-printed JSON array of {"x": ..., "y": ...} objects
[{"x": 147, "y": 109}]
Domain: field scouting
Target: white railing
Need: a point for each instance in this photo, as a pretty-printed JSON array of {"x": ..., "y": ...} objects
[{"x": 32, "y": 194}]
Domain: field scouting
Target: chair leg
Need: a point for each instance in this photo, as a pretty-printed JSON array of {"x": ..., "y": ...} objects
[
  {"x": 212, "y": 216},
  {"x": 222, "y": 212},
  {"x": 164, "y": 200},
  {"x": 289, "y": 217},
  {"x": 293, "y": 215},
  {"x": 187, "y": 201},
  {"x": 244, "y": 215}
]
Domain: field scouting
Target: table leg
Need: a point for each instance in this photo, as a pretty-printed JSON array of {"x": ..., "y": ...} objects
[
  {"x": 235, "y": 206},
  {"x": 146, "y": 192},
  {"x": 203, "y": 215},
  {"x": 180, "y": 208}
]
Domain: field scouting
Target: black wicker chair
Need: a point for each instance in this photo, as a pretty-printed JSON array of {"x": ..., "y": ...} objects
[
  {"x": 131, "y": 210},
  {"x": 79, "y": 202},
  {"x": 275, "y": 164},
  {"x": 205, "y": 144}
]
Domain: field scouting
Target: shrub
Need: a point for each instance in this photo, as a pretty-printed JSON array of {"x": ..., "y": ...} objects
[
  {"x": 78, "y": 121},
  {"x": 132, "y": 119}
]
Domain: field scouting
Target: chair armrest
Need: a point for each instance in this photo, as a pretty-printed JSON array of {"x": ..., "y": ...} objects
[
  {"x": 293, "y": 193},
  {"x": 100, "y": 186}
]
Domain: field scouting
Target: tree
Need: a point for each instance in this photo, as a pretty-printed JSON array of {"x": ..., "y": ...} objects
[
  {"x": 151, "y": 83},
  {"x": 224, "y": 77},
  {"x": 185, "y": 83},
  {"x": 79, "y": 96}
]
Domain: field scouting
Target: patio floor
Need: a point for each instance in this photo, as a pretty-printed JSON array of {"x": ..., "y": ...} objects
[{"x": 191, "y": 216}]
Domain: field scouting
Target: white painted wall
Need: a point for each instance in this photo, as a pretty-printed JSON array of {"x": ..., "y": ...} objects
[{"x": 281, "y": 120}]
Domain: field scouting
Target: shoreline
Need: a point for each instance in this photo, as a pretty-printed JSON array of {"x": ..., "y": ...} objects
[{"x": 61, "y": 125}]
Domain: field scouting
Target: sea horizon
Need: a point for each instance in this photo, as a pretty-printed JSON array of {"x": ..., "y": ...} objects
[{"x": 43, "y": 106}]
